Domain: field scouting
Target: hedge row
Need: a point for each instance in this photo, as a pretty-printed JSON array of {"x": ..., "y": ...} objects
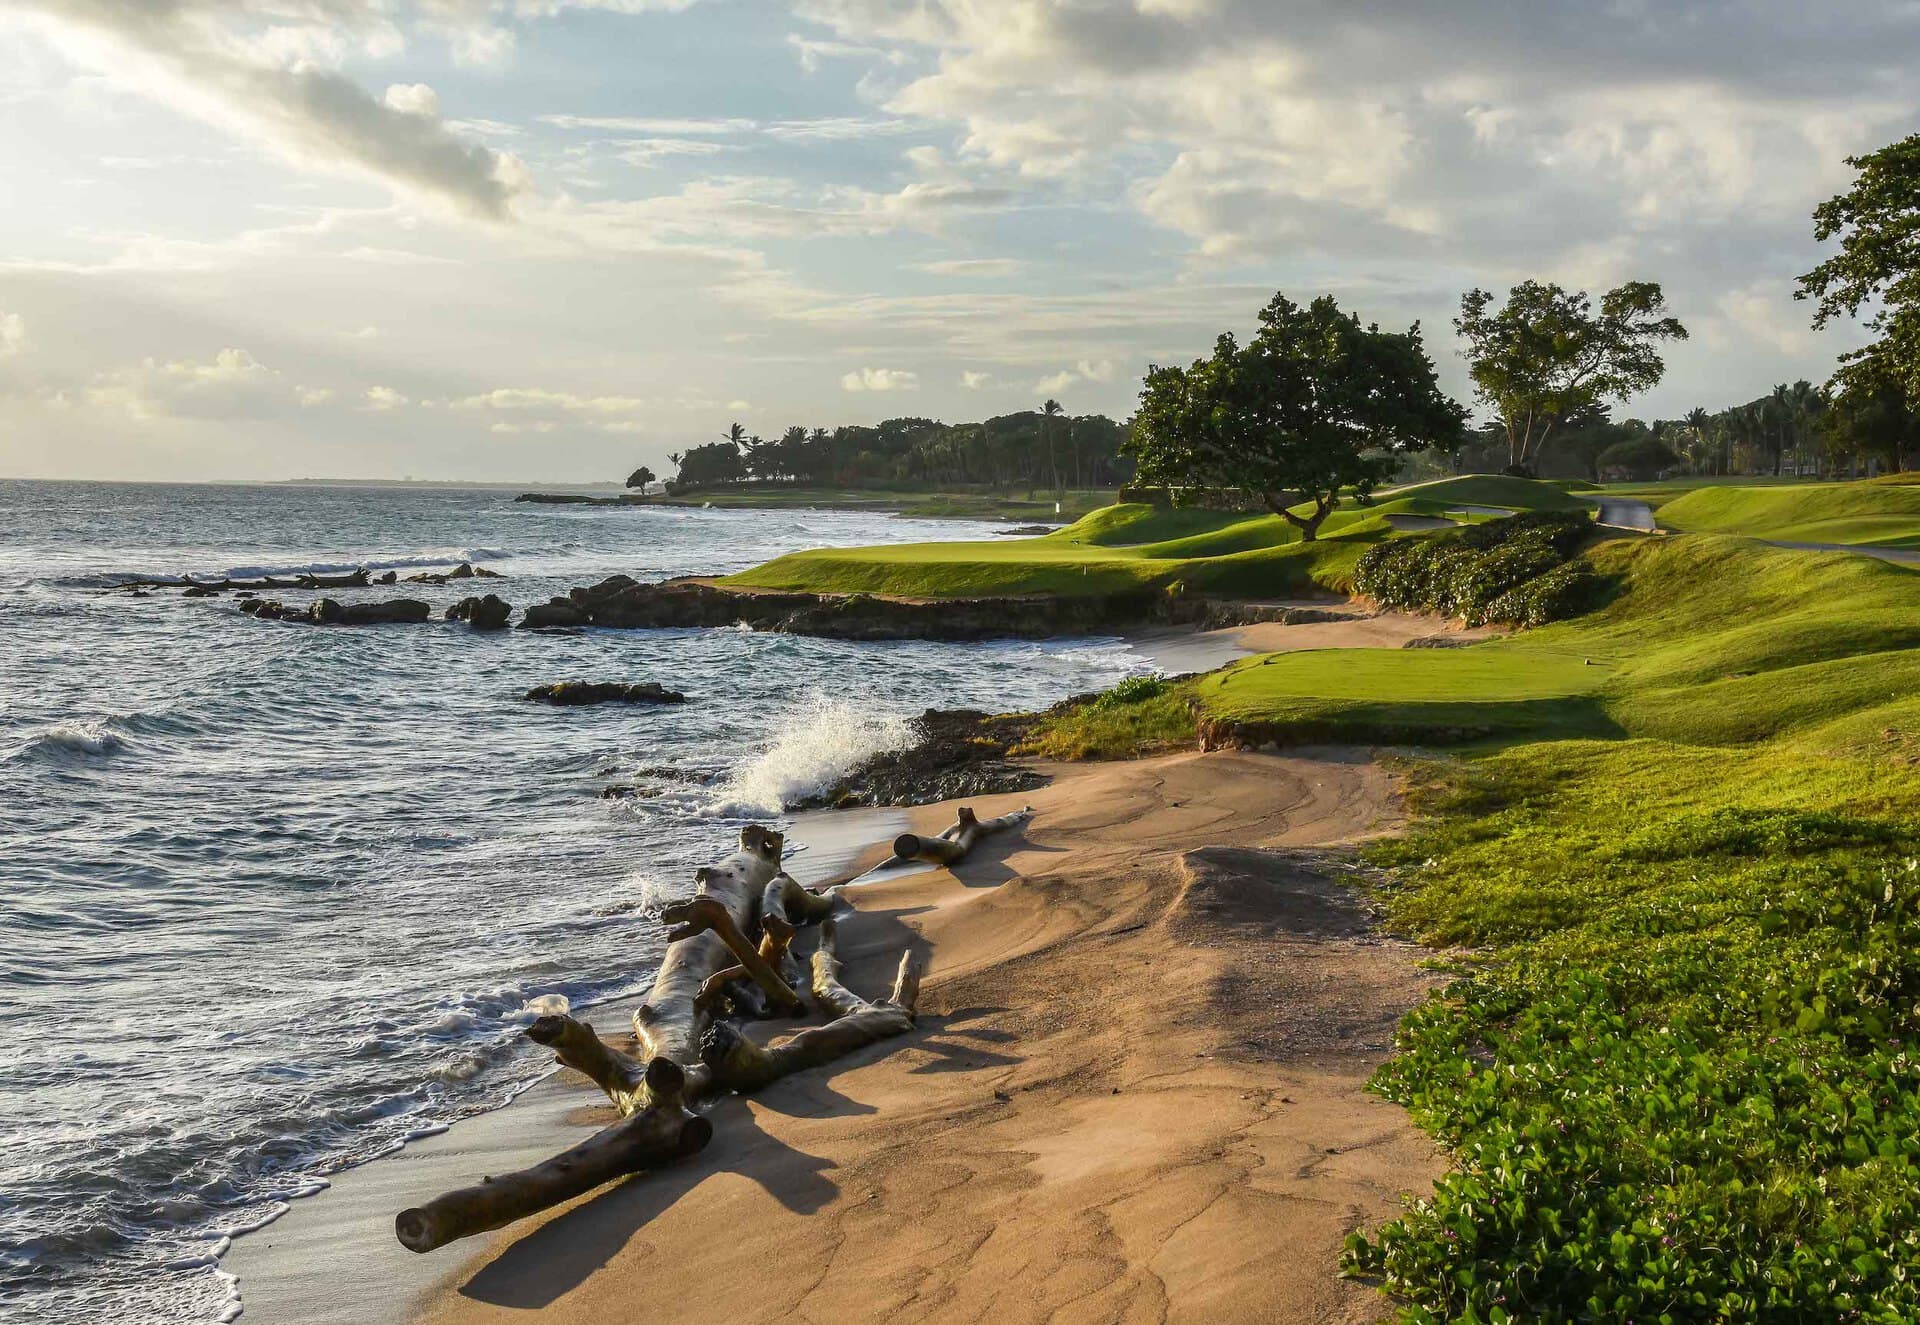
[{"x": 1517, "y": 570}]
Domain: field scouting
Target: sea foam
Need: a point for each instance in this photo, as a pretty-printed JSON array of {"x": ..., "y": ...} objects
[{"x": 818, "y": 742}]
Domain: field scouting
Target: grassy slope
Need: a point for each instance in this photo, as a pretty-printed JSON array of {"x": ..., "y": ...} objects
[
  {"x": 1880, "y": 512},
  {"x": 1130, "y": 547},
  {"x": 1709, "y": 640}
]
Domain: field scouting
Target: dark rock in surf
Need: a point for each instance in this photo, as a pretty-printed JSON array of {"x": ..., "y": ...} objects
[
  {"x": 557, "y": 612},
  {"x": 960, "y": 753},
  {"x": 390, "y": 577},
  {"x": 466, "y": 570},
  {"x": 569, "y": 693},
  {"x": 485, "y": 613},
  {"x": 403, "y": 611}
]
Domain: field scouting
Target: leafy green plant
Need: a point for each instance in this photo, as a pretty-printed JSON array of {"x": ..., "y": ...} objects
[
  {"x": 1684, "y": 1088},
  {"x": 1480, "y": 573}
]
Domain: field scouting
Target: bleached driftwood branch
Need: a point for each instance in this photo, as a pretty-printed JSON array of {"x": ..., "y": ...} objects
[{"x": 728, "y": 947}]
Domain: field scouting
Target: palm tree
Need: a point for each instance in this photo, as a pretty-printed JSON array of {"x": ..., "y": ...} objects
[
  {"x": 1051, "y": 411},
  {"x": 737, "y": 435},
  {"x": 1698, "y": 447}
]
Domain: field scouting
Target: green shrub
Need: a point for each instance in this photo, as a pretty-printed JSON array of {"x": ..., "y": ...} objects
[
  {"x": 1480, "y": 573},
  {"x": 1131, "y": 691},
  {"x": 1685, "y": 1090}
]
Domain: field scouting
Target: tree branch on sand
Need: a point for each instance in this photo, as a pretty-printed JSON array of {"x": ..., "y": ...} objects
[{"x": 728, "y": 958}]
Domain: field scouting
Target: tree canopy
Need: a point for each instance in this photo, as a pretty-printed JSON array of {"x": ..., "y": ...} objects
[
  {"x": 1024, "y": 449},
  {"x": 1877, "y": 222},
  {"x": 1546, "y": 355},
  {"x": 1313, "y": 404}
]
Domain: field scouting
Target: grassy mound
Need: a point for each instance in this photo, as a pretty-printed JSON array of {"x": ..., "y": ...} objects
[
  {"x": 1884, "y": 513},
  {"x": 1131, "y": 547}
]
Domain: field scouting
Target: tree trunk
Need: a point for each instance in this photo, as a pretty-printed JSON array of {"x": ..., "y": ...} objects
[
  {"x": 1308, "y": 525},
  {"x": 691, "y": 1051},
  {"x": 954, "y": 844}
]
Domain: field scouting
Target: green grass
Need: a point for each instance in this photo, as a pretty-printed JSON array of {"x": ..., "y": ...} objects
[
  {"x": 1140, "y": 716},
  {"x": 1707, "y": 640},
  {"x": 1518, "y": 494},
  {"x": 1875, "y": 512},
  {"x": 1135, "y": 547}
]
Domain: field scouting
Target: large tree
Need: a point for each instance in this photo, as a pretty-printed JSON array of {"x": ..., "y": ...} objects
[
  {"x": 1872, "y": 416},
  {"x": 1878, "y": 224},
  {"x": 1313, "y": 405},
  {"x": 1547, "y": 354},
  {"x": 640, "y": 478}
]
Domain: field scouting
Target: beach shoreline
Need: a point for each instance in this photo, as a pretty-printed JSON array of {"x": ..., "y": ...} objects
[{"x": 1187, "y": 1011}]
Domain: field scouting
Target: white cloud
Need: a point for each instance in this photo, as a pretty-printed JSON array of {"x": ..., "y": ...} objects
[
  {"x": 382, "y": 399},
  {"x": 540, "y": 410},
  {"x": 880, "y": 379},
  {"x": 987, "y": 268},
  {"x": 234, "y": 67},
  {"x": 13, "y": 335},
  {"x": 1097, "y": 370},
  {"x": 413, "y": 99},
  {"x": 973, "y": 381},
  {"x": 232, "y": 384}
]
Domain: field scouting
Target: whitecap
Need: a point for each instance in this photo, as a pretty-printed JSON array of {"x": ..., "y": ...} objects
[{"x": 818, "y": 743}]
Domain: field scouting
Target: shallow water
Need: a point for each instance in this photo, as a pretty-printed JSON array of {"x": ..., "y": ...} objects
[{"x": 274, "y": 898}]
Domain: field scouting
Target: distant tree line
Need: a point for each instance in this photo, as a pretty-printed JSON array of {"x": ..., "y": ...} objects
[
  {"x": 1317, "y": 405},
  {"x": 1033, "y": 449}
]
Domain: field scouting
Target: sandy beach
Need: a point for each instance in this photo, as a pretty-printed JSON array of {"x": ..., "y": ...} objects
[{"x": 1136, "y": 1092}]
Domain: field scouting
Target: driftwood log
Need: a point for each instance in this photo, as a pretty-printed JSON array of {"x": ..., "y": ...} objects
[
  {"x": 958, "y": 840},
  {"x": 728, "y": 956}
]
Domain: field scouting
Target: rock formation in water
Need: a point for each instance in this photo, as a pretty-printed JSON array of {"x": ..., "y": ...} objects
[
  {"x": 489, "y": 612},
  {"x": 570, "y": 693}
]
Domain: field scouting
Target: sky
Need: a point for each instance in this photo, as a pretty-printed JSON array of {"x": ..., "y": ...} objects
[{"x": 551, "y": 240}]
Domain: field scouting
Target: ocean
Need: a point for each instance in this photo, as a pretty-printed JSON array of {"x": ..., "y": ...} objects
[{"x": 276, "y": 898}]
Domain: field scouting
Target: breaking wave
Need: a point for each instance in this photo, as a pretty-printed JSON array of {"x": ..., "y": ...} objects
[{"x": 818, "y": 742}]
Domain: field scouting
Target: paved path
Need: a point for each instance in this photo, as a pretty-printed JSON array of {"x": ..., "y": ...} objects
[{"x": 1905, "y": 556}]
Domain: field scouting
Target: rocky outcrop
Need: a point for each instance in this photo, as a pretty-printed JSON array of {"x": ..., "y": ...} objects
[
  {"x": 466, "y": 570},
  {"x": 621, "y": 602},
  {"x": 559, "y": 613},
  {"x": 570, "y": 693},
  {"x": 579, "y": 499},
  {"x": 329, "y": 612},
  {"x": 485, "y": 613},
  {"x": 959, "y": 753}
]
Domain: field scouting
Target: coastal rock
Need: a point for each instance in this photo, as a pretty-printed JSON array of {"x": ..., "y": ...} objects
[
  {"x": 329, "y": 612},
  {"x": 407, "y": 611},
  {"x": 621, "y": 602},
  {"x": 960, "y": 753},
  {"x": 570, "y": 693},
  {"x": 466, "y": 570},
  {"x": 391, "y": 577},
  {"x": 554, "y": 612},
  {"x": 579, "y": 499},
  {"x": 485, "y": 613}
]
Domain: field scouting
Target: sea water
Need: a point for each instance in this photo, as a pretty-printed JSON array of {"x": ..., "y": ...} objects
[{"x": 276, "y": 898}]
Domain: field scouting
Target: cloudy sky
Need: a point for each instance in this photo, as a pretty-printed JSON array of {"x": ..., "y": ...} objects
[{"x": 552, "y": 239}]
